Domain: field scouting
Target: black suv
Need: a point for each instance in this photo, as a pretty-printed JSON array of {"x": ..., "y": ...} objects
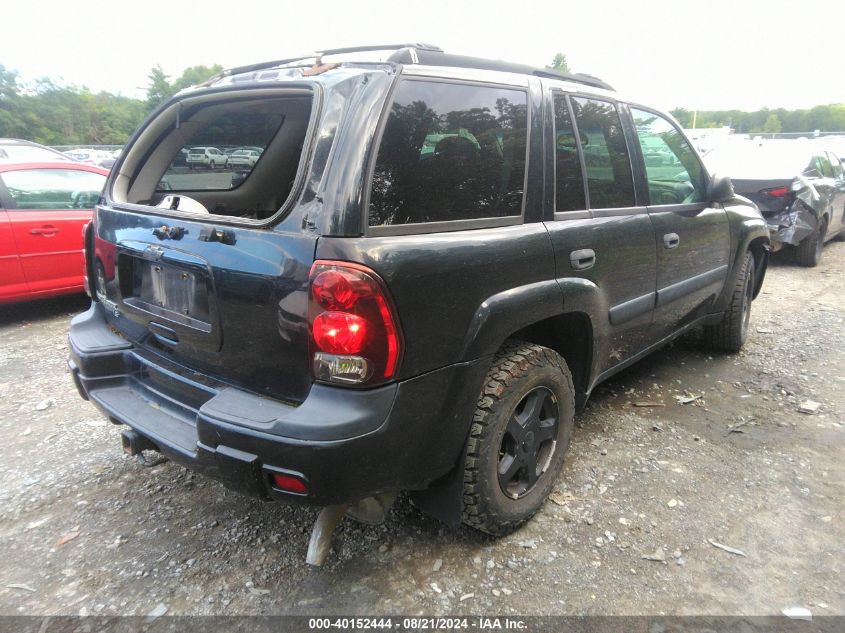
[{"x": 430, "y": 266}]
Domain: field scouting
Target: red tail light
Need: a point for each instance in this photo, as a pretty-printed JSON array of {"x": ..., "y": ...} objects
[
  {"x": 340, "y": 332},
  {"x": 355, "y": 334},
  {"x": 777, "y": 192}
]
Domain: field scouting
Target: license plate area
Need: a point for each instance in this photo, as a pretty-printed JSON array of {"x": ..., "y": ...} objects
[{"x": 170, "y": 292}]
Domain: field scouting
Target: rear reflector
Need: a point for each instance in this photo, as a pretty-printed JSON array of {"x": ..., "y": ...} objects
[
  {"x": 87, "y": 231},
  {"x": 288, "y": 483}
]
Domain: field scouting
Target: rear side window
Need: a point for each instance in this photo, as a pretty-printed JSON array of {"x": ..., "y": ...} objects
[
  {"x": 569, "y": 186},
  {"x": 672, "y": 168},
  {"x": 52, "y": 188},
  {"x": 609, "y": 179},
  {"x": 450, "y": 152}
]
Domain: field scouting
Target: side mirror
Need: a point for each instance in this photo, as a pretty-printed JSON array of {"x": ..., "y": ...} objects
[{"x": 720, "y": 189}]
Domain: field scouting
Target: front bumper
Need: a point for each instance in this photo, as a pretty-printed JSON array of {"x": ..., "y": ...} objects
[{"x": 345, "y": 444}]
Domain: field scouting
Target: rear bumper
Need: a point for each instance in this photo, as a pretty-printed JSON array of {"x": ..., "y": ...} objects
[
  {"x": 791, "y": 226},
  {"x": 345, "y": 444}
]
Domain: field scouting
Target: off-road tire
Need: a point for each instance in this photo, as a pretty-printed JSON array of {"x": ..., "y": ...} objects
[
  {"x": 518, "y": 369},
  {"x": 731, "y": 333},
  {"x": 809, "y": 251}
]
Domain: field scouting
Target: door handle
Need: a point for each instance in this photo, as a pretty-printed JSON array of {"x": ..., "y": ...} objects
[
  {"x": 46, "y": 231},
  {"x": 671, "y": 240},
  {"x": 582, "y": 259}
]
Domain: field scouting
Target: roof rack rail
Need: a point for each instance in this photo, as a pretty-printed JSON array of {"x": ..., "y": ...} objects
[
  {"x": 439, "y": 58},
  {"x": 317, "y": 55},
  {"x": 427, "y": 54}
]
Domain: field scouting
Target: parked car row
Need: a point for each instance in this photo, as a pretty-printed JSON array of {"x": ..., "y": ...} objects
[
  {"x": 92, "y": 156},
  {"x": 212, "y": 157}
]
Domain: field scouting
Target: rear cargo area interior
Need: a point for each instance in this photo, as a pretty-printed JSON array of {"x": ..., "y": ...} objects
[{"x": 258, "y": 140}]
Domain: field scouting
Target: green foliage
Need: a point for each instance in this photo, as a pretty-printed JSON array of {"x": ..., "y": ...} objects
[
  {"x": 58, "y": 115},
  {"x": 159, "y": 88},
  {"x": 51, "y": 114},
  {"x": 8, "y": 83},
  {"x": 196, "y": 75},
  {"x": 826, "y": 118},
  {"x": 772, "y": 124},
  {"x": 560, "y": 63}
]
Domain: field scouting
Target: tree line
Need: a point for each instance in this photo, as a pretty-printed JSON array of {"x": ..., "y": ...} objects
[
  {"x": 825, "y": 118},
  {"x": 48, "y": 113},
  {"x": 53, "y": 114}
]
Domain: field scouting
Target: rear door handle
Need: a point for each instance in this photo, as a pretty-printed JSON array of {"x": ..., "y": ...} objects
[
  {"x": 671, "y": 240},
  {"x": 582, "y": 259},
  {"x": 46, "y": 231}
]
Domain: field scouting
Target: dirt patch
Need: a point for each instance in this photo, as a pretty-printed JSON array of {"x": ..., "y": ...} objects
[{"x": 648, "y": 495}]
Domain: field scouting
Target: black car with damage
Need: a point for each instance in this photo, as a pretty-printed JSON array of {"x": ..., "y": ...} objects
[{"x": 798, "y": 185}]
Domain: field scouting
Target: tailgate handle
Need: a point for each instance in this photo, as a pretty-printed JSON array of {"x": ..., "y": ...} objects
[
  {"x": 169, "y": 232},
  {"x": 582, "y": 259},
  {"x": 217, "y": 235}
]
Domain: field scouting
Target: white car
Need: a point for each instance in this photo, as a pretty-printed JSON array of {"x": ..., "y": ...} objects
[
  {"x": 244, "y": 157},
  {"x": 91, "y": 156},
  {"x": 210, "y": 157}
]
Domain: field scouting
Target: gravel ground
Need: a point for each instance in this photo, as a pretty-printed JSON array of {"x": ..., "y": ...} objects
[{"x": 637, "y": 524}]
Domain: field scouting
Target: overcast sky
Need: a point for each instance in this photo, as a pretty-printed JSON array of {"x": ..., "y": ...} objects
[{"x": 708, "y": 54}]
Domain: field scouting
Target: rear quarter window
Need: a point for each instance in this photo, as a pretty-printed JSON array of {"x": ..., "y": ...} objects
[{"x": 450, "y": 152}]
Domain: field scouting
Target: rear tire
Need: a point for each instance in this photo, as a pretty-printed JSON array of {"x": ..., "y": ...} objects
[
  {"x": 809, "y": 251},
  {"x": 519, "y": 437},
  {"x": 731, "y": 333}
]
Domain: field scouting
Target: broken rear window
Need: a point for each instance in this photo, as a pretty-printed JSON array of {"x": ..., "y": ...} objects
[
  {"x": 234, "y": 155},
  {"x": 215, "y": 172}
]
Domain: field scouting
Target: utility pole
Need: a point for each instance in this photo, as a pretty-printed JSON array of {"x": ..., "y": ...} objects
[{"x": 694, "y": 117}]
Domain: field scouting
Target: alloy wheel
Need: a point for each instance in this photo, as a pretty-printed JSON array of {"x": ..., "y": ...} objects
[{"x": 528, "y": 443}]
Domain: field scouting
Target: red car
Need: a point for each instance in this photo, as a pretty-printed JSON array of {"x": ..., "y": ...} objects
[{"x": 43, "y": 209}]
